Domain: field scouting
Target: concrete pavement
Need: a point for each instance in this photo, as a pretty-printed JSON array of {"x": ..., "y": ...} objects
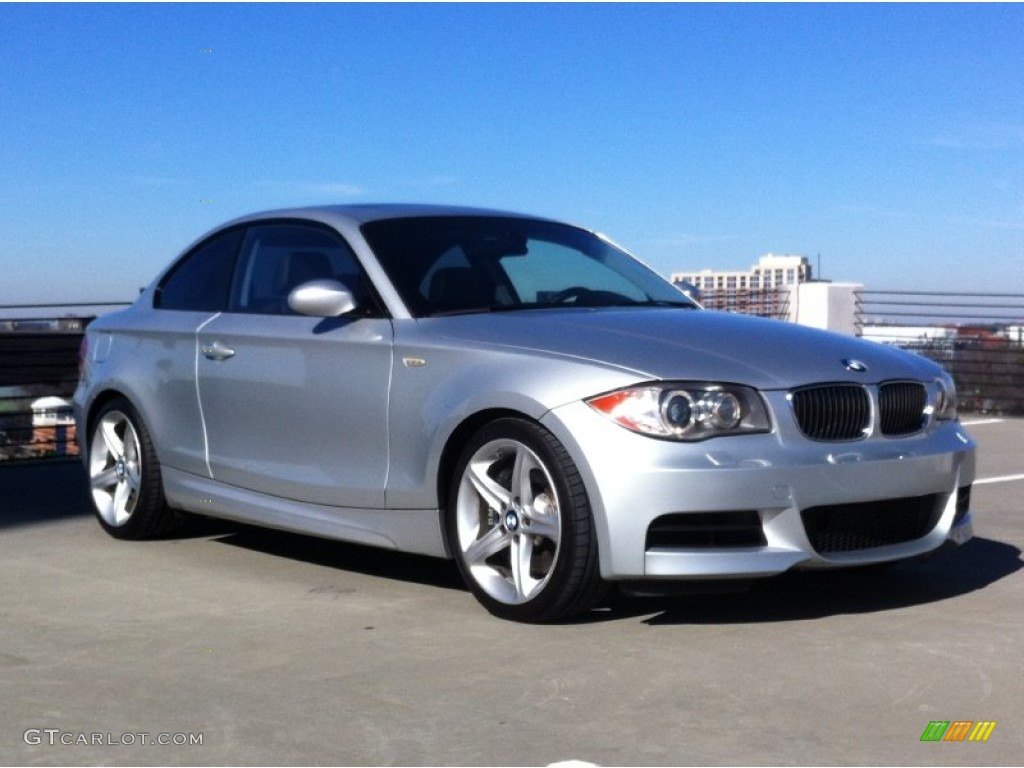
[{"x": 279, "y": 649}]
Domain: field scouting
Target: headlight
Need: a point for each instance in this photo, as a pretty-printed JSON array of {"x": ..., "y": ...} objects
[
  {"x": 685, "y": 410},
  {"x": 945, "y": 400}
]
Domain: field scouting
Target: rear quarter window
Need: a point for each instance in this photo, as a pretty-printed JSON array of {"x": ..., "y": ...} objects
[{"x": 201, "y": 280}]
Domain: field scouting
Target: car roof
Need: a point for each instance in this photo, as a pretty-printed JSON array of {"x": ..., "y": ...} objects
[{"x": 361, "y": 213}]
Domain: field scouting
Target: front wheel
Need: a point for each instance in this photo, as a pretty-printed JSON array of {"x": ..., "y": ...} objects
[
  {"x": 520, "y": 527},
  {"x": 124, "y": 476}
]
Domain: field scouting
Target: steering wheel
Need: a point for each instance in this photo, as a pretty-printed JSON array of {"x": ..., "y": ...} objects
[{"x": 572, "y": 292}]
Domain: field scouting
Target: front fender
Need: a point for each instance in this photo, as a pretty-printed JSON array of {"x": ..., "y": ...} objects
[{"x": 436, "y": 389}]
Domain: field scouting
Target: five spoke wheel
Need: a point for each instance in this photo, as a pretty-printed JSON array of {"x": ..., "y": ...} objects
[
  {"x": 124, "y": 476},
  {"x": 115, "y": 468},
  {"x": 508, "y": 520},
  {"x": 519, "y": 524}
]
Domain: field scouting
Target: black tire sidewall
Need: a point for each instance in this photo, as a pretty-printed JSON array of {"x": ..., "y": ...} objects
[
  {"x": 151, "y": 516},
  {"x": 556, "y": 599}
]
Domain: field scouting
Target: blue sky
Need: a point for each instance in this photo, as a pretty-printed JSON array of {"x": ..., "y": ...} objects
[{"x": 889, "y": 139}]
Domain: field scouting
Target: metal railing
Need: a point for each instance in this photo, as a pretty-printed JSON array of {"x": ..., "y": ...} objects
[
  {"x": 39, "y": 346},
  {"x": 977, "y": 337}
]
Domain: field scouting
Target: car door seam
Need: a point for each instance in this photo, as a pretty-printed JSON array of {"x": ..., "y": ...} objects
[
  {"x": 387, "y": 414},
  {"x": 199, "y": 397}
]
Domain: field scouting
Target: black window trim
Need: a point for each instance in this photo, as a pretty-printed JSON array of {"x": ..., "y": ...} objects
[
  {"x": 184, "y": 258},
  {"x": 376, "y": 308}
]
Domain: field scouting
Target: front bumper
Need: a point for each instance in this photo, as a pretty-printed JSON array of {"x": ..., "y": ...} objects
[{"x": 785, "y": 483}]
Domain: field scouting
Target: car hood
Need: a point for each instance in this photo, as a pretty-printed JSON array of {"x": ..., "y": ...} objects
[{"x": 665, "y": 343}]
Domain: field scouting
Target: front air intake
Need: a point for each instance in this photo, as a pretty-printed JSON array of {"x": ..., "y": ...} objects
[{"x": 853, "y": 527}]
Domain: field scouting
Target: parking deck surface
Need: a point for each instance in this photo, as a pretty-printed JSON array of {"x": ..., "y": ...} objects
[{"x": 271, "y": 648}]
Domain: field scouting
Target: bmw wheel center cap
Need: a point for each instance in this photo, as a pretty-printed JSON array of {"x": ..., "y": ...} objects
[{"x": 511, "y": 520}]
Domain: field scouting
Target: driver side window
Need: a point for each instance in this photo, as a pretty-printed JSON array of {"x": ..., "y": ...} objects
[{"x": 277, "y": 258}]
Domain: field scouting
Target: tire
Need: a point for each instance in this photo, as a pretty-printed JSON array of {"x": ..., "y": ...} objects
[
  {"x": 124, "y": 476},
  {"x": 519, "y": 525}
]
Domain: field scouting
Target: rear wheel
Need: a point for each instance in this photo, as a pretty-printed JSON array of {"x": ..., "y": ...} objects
[
  {"x": 124, "y": 476},
  {"x": 520, "y": 526}
]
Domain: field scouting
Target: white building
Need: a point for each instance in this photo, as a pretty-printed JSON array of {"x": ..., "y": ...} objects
[
  {"x": 771, "y": 271},
  {"x": 1015, "y": 333},
  {"x": 53, "y": 427},
  {"x": 766, "y": 289},
  {"x": 51, "y": 412}
]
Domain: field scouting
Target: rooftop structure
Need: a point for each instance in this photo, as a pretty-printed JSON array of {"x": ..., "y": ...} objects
[
  {"x": 761, "y": 290},
  {"x": 771, "y": 270}
]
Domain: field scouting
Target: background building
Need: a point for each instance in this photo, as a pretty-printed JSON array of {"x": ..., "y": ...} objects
[
  {"x": 762, "y": 290},
  {"x": 53, "y": 427}
]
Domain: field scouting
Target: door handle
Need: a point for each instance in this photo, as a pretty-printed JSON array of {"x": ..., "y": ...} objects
[{"x": 216, "y": 351}]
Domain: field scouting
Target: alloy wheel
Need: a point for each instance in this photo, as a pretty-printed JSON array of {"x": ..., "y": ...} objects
[
  {"x": 508, "y": 521},
  {"x": 115, "y": 468}
]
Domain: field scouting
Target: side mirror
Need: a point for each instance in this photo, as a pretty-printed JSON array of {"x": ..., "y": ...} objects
[{"x": 321, "y": 298}]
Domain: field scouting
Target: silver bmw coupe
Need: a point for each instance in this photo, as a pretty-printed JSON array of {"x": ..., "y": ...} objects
[{"x": 512, "y": 392}]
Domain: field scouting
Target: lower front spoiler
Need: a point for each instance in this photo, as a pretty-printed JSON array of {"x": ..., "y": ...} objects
[{"x": 754, "y": 562}]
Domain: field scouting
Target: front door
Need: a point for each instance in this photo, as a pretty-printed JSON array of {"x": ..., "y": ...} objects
[{"x": 296, "y": 406}]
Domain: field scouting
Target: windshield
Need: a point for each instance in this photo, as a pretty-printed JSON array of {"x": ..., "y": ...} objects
[{"x": 459, "y": 264}]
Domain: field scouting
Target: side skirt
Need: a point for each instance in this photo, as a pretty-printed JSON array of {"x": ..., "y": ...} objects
[{"x": 408, "y": 530}]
